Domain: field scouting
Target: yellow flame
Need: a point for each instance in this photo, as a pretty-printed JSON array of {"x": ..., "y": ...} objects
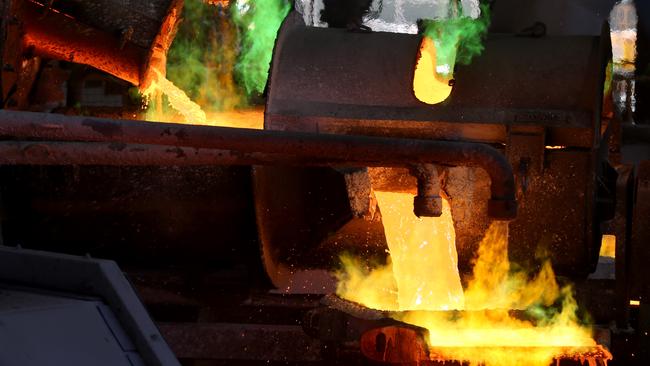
[
  {"x": 477, "y": 334},
  {"x": 485, "y": 333},
  {"x": 375, "y": 288},
  {"x": 494, "y": 286},
  {"x": 428, "y": 85}
]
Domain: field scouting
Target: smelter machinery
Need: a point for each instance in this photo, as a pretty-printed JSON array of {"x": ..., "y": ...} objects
[{"x": 527, "y": 135}]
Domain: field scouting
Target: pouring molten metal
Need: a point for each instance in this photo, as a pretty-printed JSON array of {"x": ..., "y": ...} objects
[{"x": 503, "y": 317}]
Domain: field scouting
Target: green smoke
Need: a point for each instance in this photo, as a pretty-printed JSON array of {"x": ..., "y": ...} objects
[
  {"x": 259, "y": 22},
  {"x": 458, "y": 38},
  {"x": 203, "y": 56},
  {"x": 221, "y": 54}
]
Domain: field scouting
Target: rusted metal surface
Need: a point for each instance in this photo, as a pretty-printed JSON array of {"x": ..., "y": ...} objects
[
  {"x": 561, "y": 17},
  {"x": 186, "y": 215},
  {"x": 639, "y": 255},
  {"x": 7, "y": 67},
  {"x": 117, "y": 16},
  {"x": 642, "y": 114},
  {"x": 352, "y": 308},
  {"x": 395, "y": 345},
  {"x": 260, "y": 342},
  {"x": 327, "y": 79},
  {"x": 126, "y": 42},
  {"x": 360, "y": 196},
  {"x": 59, "y": 36},
  {"x": 341, "y": 321},
  {"x": 119, "y": 154},
  {"x": 307, "y": 149},
  {"x": 632, "y": 255},
  {"x": 622, "y": 224},
  {"x": 314, "y": 201},
  {"x": 635, "y": 143},
  {"x": 555, "y": 215}
]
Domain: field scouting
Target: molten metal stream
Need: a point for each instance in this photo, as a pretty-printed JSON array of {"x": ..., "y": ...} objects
[
  {"x": 424, "y": 255},
  {"x": 423, "y": 276},
  {"x": 429, "y": 84},
  {"x": 187, "y": 111},
  {"x": 177, "y": 99}
]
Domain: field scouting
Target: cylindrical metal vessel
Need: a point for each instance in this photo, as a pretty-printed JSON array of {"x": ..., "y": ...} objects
[
  {"x": 125, "y": 39},
  {"x": 538, "y": 99},
  {"x": 337, "y": 81}
]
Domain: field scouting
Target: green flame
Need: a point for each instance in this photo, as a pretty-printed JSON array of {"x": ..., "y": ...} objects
[
  {"x": 259, "y": 22},
  {"x": 221, "y": 55},
  {"x": 458, "y": 38},
  {"x": 203, "y": 55}
]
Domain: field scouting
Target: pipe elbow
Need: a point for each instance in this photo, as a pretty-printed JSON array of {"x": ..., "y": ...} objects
[
  {"x": 503, "y": 203},
  {"x": 428, "y": 202}
]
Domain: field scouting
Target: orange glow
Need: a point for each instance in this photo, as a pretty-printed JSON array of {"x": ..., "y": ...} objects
[
  {"x": 190, "y": 112},
  {"x": 608, "y": 246},
  {"x": 252, "y": 118},
  {"x": 424, "y": 271},
  {"x": 431, "y": 81},
  {"x": 177, "y": 98},
  {"x": 245, "y": 118}
]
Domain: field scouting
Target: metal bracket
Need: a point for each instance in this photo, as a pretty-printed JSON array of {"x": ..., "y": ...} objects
[
  {"x": 357, "y": 184},
  {"x": 525, "y": 150}
]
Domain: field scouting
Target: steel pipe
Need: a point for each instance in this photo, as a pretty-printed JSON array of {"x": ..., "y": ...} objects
[
  {"x": 428, "y": 202},
  {"x": 129, "y": 48},
  {"x": 58, "y": 36},
  {"x": 118, "y": 154},
  {"x": 283, "y": 147}
]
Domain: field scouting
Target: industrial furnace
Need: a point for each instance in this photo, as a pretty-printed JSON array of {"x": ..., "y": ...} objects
[{"x": 325, "y": 182}]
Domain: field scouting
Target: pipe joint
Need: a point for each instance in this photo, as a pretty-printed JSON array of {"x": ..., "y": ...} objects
[{"x": 428, "y": 202}]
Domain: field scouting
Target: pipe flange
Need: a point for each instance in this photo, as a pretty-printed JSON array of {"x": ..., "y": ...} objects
[{"x": 427, "y": 206}]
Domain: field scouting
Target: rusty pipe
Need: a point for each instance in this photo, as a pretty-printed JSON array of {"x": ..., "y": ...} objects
[
  {"x": 302, "y": 148},
  {"x": 427, "y": 202},
  {"x": 54, "y": 153},
  {"x": 55, "y": 35}
]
